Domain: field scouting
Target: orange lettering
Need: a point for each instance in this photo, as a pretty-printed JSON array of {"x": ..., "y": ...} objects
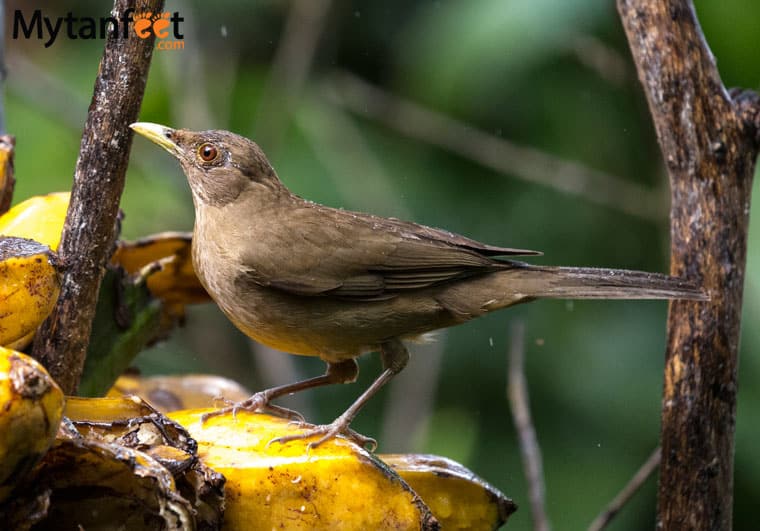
[{"x": 160, "y": 28}]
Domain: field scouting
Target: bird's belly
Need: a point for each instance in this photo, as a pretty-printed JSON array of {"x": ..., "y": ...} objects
[{"x": 332, "y": 329}]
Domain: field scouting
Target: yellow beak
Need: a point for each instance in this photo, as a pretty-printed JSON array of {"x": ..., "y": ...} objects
[{"x": 159, "y": 134}]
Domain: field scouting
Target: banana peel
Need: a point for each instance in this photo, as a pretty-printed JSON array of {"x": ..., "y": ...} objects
[
  {"x": 29, "y": 287},
  {"x": 337, "y": 485},
  {"x": 119, "y": 460},
  {"x": 456, "y": 496},
  {"x": 175, "y": 283},
  {"x": 118, "y": 463},
  {"x": 172, "y": 393},
  {"x": 31, "y": 405}
]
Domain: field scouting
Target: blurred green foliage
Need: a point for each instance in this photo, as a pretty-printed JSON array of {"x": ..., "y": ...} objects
[{"x": 552, "y": 74}]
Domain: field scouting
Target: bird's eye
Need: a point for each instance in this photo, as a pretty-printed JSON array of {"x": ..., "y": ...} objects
[{"x": 208, "y": 152}]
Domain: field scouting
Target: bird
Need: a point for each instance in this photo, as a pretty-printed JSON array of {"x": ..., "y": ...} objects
[{"x": 312, "y": 280}]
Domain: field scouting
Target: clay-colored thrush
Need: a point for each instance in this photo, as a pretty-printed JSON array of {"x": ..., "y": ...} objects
[{"x": 309, "y": 279}]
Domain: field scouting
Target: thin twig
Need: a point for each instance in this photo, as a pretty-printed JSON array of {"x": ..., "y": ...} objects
[
  {"x": 631, "y": 488},
  {"x": 501, "y": 155},
  {"x": 89, "y": 230},
  {"x": 595, "y": 54},
  {"x": 517, "y": 392},
  {"x": 290, "y": 69}
]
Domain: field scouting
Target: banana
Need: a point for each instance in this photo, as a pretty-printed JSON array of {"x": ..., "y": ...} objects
[
  {"x": 188, "y": 391},
  {"x": 175, "y": 283},
  {"x": 7, "y": 182},
  {"x": 38, "y": 218},
  {"x": 337, "y": 485},
  {"x": 117, "y": 464},
  {"x": 29, "y": 287},
  {"x": 31, "y": 405},
  {"x": 458, "y": 498}
]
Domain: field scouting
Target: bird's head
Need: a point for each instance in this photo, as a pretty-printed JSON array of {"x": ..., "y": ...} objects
[{"x": 219, "y": 165}]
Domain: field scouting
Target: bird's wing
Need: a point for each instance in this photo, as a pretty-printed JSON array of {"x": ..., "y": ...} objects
[{"x": 355, "y": 256}]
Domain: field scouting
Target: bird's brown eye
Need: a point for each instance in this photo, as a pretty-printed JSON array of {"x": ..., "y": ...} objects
[{"x": 207, "y": 152}]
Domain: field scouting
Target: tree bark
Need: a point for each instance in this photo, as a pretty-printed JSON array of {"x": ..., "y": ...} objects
[
  {"x": 90, "y": 228},
  {"x": 709, "y": 140}
]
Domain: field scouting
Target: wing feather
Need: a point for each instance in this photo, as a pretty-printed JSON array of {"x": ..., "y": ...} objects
[{"x": 354, "y": 256}]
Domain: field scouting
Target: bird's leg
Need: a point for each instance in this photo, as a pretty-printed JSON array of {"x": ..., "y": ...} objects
[
  {"x": 395, "y": 356},
  {"x": 337, "y": 372}
]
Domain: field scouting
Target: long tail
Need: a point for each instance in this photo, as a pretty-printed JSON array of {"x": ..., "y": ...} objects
[
  {"x": 599, "y": 283},
  {"x": 524, "y": 282}
]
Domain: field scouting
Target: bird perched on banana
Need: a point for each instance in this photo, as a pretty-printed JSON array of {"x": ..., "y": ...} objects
[{"x": 313, "y": 280}]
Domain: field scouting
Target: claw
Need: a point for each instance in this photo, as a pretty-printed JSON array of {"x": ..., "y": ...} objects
[
  {"x": 257, "y": 402},
  {"x": 327, "y": 432}
]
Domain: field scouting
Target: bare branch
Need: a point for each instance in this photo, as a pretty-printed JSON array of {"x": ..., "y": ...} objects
[
  {"x": 522, "y": 162},
  {"x": 631, "y": 488},
  {"x": 710, "y": 148},
  {"x": 89, "y": 231},
  {"x": 517, "y": 392}
]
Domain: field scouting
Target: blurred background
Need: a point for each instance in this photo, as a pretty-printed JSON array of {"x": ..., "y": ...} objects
[{"x": 516, "y": 122}]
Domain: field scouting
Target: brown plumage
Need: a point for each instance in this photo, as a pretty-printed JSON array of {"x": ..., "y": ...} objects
[{"x": 309, "y": 279}]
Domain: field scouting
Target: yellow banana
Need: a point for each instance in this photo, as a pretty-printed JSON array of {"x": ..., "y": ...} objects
[
  {"x": 31, "y": 405},
  {"x": 38, "y": 218},
  {"x": 7, "y": 182},
  {"x": 188, "y": 391},
  {"x": 176, "y": 283},
  {"x": 457, "y": 497},
  {"x": 29, "y": 287},
  {"x": 273, "y": 486}
]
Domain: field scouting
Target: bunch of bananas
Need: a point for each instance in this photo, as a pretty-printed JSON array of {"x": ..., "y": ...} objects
[{"x": 150, "y": 463}]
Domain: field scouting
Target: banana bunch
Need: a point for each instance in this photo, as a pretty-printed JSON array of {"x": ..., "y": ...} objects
[
  {"x": 149, "y": 283},
  {"x": 118, "y": 459}
]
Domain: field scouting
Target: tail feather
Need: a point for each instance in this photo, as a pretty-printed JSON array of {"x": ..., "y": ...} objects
[{"x": 600, "y": 283}]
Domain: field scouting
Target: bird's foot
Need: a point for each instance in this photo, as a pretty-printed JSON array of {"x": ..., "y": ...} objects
[
  {"x": 259, "y": 402},
  {"x": 326, "y": 432}
]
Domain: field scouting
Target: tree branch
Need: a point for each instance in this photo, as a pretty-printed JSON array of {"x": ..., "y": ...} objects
[
  {"x": 631, "y": 488},
  {"x": 517, "y": 392},
  {"x": 710, "y": 148},
  {"x": 89, "y": 231}
]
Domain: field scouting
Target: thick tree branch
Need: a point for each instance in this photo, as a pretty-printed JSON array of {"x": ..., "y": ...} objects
[
  {"x": 89, "y": 231},
  {"x": 710, "y": 145}
]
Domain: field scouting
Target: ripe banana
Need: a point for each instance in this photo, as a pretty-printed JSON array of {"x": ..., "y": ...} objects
[
  {"x": 38, "y": 218},
  {"x": 31, "y": 405},
  {"x": 29, "y": 287}
]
